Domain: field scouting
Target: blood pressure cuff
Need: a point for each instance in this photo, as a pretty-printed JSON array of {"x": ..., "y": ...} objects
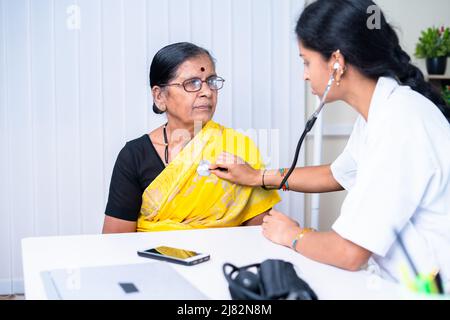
[{"x": 273, "y": 279}]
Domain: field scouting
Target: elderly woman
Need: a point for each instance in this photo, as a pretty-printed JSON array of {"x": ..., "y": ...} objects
[{"x": 157, "y": 183}]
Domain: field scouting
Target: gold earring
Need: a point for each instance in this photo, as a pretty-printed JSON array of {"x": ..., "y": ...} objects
[{"x": 338, "y": 82}]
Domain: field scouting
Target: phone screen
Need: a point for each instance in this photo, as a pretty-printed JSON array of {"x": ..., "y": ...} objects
[{"x": 172, "y": 252}]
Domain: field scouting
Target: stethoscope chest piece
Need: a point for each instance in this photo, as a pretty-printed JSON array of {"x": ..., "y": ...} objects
[{"x": 203, "y": 168}]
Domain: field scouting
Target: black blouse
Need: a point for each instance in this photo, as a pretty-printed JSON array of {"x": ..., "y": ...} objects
[{"x": 137, "y": 165}]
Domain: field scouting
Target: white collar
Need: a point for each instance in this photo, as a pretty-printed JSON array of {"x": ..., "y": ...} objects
[{"x": 383, "y": 90}]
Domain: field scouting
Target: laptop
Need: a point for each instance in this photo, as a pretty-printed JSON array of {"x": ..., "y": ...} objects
[{"x": 145, "y": 281}]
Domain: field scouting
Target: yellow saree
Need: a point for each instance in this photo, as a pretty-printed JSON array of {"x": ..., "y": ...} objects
[{"x": 180, "y": 199}]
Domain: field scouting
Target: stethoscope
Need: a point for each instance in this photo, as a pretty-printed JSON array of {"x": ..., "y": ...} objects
[
  {"x": 310, "y": 124},
  {"x": 203, "y": 167}
]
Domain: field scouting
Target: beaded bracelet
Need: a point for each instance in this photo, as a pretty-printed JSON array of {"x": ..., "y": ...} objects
[{"x": 285, "y": 186}]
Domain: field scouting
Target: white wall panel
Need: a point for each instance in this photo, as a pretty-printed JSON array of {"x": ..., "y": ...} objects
[
  {"x": 5, "y": 165},
  {"x": 19, "y": 128},
  {"x": 222, "y": 50},
  {"x": 93, "y": 188}
]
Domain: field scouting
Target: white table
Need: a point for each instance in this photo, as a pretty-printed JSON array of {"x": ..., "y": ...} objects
[{"x": 240, "y": 246}]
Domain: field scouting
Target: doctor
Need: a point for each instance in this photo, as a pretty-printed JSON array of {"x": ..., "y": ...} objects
[{"x": 396, "y": 165}]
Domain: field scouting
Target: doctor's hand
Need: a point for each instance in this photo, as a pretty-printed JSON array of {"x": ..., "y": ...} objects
[
  {"x": 234, "y": 169},
  {"x": 279, "y": 228}
]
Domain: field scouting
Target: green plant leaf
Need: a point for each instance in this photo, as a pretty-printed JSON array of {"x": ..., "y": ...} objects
[{"x": 433, "y": 43}]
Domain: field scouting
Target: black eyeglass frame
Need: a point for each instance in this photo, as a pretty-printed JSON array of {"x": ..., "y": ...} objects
[{"x": 183, "y": 84}]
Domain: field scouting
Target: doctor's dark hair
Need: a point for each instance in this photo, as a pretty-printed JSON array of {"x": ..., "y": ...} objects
[
  {"x": 166, "y": 61},
  {"x": 326, "y": 26}
]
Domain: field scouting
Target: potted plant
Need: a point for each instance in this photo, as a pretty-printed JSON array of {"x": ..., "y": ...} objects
[{"x": 434, "y": 46}]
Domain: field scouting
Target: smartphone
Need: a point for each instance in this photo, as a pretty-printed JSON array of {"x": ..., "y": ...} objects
[{"x": 174, "y": 255}]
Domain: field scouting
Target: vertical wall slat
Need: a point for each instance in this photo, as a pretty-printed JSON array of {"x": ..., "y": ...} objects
[
  {"x": 262, "y": 76},
  {"x": 79, "y": 132},
  {"x": 68, "y": 127},
  {"x": 261, "y": 66},
  {"x": 147, "y": 66},
  {"x": 123, "y": 64},
  {"x": 262, "y": 70},
  {"x": 92, "y": 198},
  {"x": 113, "y": 75},
  {"x": 222, "y": 50},
  {"x": 43, "y": 118},
  {"x": 55, "y": 115},
  {"x": 180, "y": 24},
  {"x": 201, "y": 27},
  {"x": 19, "y": 129},
  {"x": 280, "y": 92},
  {"x": 157, "y": 37},
  {"x": 242, "y": 64},
  {"x": 32, "y": 112},
  {"x": 297, "y": 105},
  {"x": 136, "y": 71},
  {"x": 5, "y": 172}
]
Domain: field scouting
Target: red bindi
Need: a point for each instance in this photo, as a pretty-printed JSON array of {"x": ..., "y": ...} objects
[{"x": 202, "y": 69}]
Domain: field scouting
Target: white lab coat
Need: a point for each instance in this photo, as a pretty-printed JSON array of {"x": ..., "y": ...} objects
[{"x": 396, "y": 168}]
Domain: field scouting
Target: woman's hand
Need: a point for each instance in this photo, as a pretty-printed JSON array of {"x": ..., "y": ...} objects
[
  {"x": 234, "y": 169},
  {"x": 279, "y": 228}
]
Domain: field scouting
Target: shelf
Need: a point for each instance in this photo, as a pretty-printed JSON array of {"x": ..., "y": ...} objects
[{"x": 438, "y": 77}]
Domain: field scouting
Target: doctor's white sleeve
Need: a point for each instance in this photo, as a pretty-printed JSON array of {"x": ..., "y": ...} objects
[
  {"x": 344, "y": 168},
  {"x": 388, "y": 189}
]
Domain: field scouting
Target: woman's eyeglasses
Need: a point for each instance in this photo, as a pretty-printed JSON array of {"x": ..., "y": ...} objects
[{"x": 195, "y": 84}]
